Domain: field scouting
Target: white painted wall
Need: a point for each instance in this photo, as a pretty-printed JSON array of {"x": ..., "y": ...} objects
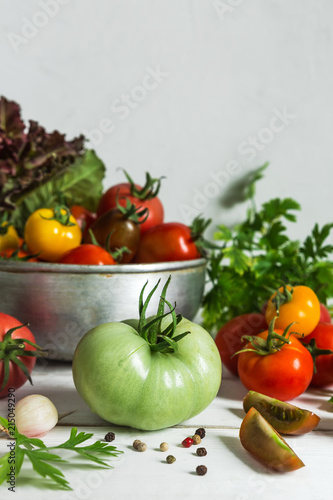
[{"x": 185, "y": 87}]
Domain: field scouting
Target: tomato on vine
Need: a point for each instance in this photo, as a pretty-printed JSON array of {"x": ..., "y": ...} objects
[
  {"x": 298, "y": 305},
  {"x": 275, "y": 363},
  {"x": 142, "y": 197},
  {"x": 51, "y": 232}
]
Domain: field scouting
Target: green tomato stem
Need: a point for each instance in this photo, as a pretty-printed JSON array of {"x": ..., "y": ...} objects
[
  {"x": 11, "y": 350},
  {"x": 272, "y": 344},
  {"x": 282, "y": 297},
  {"x": 151, "y": 331},
  {"x": 148, "y": 191},
  {"x": 316, "y": 351},
  {"x": 62, "y": 218}
]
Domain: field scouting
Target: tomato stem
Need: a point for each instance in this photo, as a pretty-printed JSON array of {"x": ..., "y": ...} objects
[
  {"x": 273, "y": 343},
  {"x": 131, "y": 212},
  {"x": 11, "y": 350},
  {"x": 282, "y": 297},
  {"x": 316, "y": 351},
  {"x": 61, "y": 214},
  {"x": 148, "y": 191},
  {"x": 197, "y": 228},
  {"x": 151, "y": 331}
]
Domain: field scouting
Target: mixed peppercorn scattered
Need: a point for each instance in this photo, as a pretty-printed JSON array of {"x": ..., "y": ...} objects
[{"x": 200, "y": 433}]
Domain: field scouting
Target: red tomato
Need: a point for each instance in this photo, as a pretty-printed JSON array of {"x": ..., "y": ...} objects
[
  {"x": 88, "y": 254},
  {"x": 325, "y": 316},
  {"x": 283, "y": 374},
  {"x": 140, "y": 197},
  {"x": 228, "y": 338},
  {"x": 323, "y": 335},
  {"x": 168, "y": 242},
  {"x": 16, "y": 375},
  {"x": 83, "y": 217}
]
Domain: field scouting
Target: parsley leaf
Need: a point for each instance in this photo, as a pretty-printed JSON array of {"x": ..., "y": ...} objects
[{"x": 40, "y": 455}]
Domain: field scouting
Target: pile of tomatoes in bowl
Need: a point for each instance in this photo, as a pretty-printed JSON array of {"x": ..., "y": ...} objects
[{"x": 128, "y": 227}]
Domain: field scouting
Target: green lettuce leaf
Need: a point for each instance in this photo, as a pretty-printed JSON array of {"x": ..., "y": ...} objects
[{"x": 79, "y": 183}]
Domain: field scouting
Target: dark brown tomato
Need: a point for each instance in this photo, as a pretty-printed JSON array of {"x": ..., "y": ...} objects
[{"x": 122, "y": 232}]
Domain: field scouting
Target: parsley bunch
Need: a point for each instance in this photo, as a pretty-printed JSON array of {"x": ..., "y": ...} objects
[
  {"x": 40, "y": 455},
  {"x": 256, "y": 256}
]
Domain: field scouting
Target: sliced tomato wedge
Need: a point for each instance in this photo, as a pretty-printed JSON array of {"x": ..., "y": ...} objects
[
  {"x": 283, "y": 417},
  {"x": 263, "y": 442}
]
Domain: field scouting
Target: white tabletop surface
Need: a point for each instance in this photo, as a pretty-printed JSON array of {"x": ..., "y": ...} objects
[{"x": 231, "y": 472}]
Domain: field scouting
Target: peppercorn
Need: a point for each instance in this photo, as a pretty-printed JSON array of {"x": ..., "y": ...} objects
[
  {"x": 164, "y": 446},
  {"x": 187, "y": 442},
  {"x": 201, "y": 432},
  {"x": 142, "y": 447},
  {"x": 110, "y": 436},
  {"x": 170, "y": 459},
  {"x": 201, "y": 452},
  {"x": 136, "y": 443},
  {"x": 201, "y": 470},
  {"x": 196, "y": 439}
]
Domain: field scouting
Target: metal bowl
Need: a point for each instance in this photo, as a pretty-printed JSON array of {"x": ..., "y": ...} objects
[{"x": 61, "y": 302}]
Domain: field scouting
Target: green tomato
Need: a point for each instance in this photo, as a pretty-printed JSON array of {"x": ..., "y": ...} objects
[{"x": 125, "y": 381}]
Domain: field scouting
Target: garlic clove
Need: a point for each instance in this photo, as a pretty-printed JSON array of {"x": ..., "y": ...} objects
[{"x": 35, "y": 416}]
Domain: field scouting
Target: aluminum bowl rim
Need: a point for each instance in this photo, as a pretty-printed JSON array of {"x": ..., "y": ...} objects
[{"x": 31, "y": 267}]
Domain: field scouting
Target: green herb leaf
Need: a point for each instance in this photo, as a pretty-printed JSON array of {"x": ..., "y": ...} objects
[
  {"x": 40, "y": 465},
  {"x": 40, "y": 455},
  {"x": 237, "y": 259},
  {"x": 277, "y": 208}
]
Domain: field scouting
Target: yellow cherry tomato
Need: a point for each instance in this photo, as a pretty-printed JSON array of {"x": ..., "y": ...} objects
[
  {"x": 303, "y": 308},
  {"x": 8, "y": 237},
  {"x": 51, "y": 233}
]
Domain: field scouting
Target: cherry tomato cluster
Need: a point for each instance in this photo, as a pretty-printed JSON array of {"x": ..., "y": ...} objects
[
  {"x": 128, "y": 227},
  {"x": 285, "y": 348}
]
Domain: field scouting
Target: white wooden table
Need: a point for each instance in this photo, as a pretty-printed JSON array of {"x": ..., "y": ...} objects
[{"x": 232, "y": 472}]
